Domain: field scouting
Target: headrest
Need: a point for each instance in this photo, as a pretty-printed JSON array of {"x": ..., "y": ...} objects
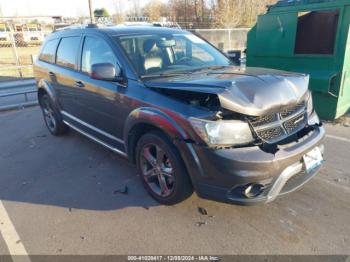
[{"x": 148, "y": 45}]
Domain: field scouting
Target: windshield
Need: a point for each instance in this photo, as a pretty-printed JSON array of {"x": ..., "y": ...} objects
[{"x": 160, "y": 54}]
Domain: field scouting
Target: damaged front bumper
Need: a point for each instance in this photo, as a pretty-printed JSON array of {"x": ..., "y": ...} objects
[{"x": 225, "y": 174}]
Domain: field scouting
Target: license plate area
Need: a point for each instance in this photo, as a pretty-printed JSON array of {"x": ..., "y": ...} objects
[{"x": 313, "y": 159}]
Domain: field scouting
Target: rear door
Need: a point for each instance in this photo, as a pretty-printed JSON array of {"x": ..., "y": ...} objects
[{"x": 45, "y": 66}]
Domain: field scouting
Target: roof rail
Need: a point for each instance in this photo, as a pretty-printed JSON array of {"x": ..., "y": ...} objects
[{"x": 77, "y": 26}]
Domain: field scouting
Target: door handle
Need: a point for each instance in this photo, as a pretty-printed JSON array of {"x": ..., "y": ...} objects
[{"x": 79, "y": 84}]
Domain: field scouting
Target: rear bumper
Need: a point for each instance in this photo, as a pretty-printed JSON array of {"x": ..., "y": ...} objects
[{"x": 223, "y": 174}]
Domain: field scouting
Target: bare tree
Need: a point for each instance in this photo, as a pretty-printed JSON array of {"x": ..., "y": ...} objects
[
  {"x": 119, "y": 11},
  {"x": 153, "y": 10},
  {"x": 136, "y": 8},
  {"x": 233, "y": 13},
  {"x": 206, "y": 13}
]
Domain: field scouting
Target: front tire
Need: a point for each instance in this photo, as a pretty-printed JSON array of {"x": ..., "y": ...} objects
[
  {"x": 52, "y": 117},
  {"x": 161, "y": 169}
]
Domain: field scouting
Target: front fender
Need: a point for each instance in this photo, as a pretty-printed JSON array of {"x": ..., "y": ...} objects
[{"x": 156, "y": 118}]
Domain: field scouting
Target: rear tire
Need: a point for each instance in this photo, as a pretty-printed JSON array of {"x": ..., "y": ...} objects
[
  {"x": 52, "y": 117},
  {"x": 162, "y": 170}
]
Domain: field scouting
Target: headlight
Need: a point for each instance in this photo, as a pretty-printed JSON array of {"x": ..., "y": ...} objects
[
  {"x": 310, "y": 106},
  {"x": 223, "y": 132},
  {"x": 311, "y": 114}
]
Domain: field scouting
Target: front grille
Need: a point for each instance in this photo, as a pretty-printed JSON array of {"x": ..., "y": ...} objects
[
  {"x": 34, "y": 38},
  {"x": 278, "y": 126},
  {"x": 295, "y": 123},
  {"x": 262, "y": 120},
  {"x": 271, "y": 133},
  {"x": 3, "y": 38},
  {"x": 292, "y": 110}
]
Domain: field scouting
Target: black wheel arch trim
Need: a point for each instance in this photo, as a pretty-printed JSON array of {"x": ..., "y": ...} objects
[
  {"x": 45, "y": 86},
  {"x": 153, "y": 117},
  {"x": 162, "y": 121}
]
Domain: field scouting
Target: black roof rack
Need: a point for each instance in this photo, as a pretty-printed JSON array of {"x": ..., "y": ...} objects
[{"x": 77, "y": 26}]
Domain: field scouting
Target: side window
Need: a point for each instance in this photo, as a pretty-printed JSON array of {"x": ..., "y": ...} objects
[
  {"x": 48, "y": 52},
  {"x": 129, "y": 46},
  {"x": 200, "y": 54},
  {"x": 96, "y": 51},
  {"x": 186, "y": 48},
  {"x": 67, "y": 51},
  {"x": 316, "y": 32}
]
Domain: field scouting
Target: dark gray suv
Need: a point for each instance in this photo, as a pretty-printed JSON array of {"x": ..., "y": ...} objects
[{"x": 182, "y": 112}]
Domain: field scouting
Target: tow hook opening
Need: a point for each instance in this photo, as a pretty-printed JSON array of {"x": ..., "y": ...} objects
[
  {"x": 249, "y": 191},
  {"x": 253, "y": 190}
]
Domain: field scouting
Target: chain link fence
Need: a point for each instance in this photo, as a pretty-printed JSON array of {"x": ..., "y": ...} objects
[
  {"x": 19, "y": 49},
  {"x": 225, "y": 39},
  {"x": 17, "y": 53}
]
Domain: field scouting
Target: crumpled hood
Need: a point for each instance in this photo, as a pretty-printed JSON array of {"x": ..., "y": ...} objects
[{"x": 250, "y": 91}]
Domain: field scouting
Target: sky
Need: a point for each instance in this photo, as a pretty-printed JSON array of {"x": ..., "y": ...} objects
[{"x": 69, "y": 8}]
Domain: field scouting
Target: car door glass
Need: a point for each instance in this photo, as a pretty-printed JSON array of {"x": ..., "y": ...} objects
[
  {"x": 96, "y": 51},
  {"x": 196, "y": 52},
  {"x": 67, "y": 51},
  {"x": 49, "y": 50}
]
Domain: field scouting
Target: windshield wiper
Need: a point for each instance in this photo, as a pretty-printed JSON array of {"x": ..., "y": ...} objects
[
  {"x": 208, "y": 68},
  {"x": 165, "y": 75}
]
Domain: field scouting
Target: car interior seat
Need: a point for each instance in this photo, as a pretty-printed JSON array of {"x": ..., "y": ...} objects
[{"x": 152, "y": 56}]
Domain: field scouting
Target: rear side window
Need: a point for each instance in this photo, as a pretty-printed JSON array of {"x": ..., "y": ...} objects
[
  {"x": 316, "y": 32},
  {"x": 67, "y": 51},
  {"x": 96, "y": 51},
  {"x": 49, "y": 51}
]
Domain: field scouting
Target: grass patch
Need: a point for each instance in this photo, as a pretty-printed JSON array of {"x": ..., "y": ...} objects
[
  {"x": 24, "y": 53},
  {"x": 8, "y": 62},
  {"x": 7, "y": 74}
]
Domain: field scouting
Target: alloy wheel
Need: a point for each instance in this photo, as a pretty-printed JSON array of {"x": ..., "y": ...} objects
[
  {"x": 157, "y": 170},
  {"x": 49, "y": 115}
]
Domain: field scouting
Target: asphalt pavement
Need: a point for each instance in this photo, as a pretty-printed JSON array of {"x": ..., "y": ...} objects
[{"x": 61, "y": 195}]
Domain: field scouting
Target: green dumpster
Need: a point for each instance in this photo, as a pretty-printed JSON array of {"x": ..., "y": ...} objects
[{"x": 308, "y": 36}]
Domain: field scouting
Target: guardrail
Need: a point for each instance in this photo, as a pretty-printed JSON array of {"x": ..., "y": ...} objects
[{"x": 21, "y": 89}]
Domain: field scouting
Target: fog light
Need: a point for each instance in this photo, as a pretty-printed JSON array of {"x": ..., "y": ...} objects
[{"x": 253, "y": 190}]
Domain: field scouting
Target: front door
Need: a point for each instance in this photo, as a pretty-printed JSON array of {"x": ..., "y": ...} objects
[{"x": 99, "y": 101}]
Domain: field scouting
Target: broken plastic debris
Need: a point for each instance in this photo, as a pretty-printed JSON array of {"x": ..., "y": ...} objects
[
  {"x": 201, "y": 223},
  {"x": 124, "y": 190},
  {"x": 202, "y": 211}
]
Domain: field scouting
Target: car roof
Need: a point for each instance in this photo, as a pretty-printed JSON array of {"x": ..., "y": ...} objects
[{"x": 118, "y": 30}]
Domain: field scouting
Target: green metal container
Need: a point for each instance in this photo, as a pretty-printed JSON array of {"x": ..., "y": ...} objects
[{"x": 308, "y": 36}]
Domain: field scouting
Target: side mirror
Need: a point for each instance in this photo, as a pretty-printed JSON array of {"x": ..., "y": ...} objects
[
  {"x": 235, "y": 56},
  {"x": 105, "y": 71}
]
